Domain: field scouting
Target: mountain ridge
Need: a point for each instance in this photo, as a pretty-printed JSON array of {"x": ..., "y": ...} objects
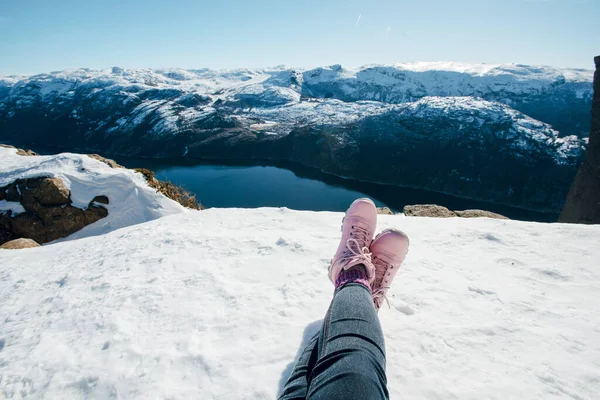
[{"x": 330, "y": 118}]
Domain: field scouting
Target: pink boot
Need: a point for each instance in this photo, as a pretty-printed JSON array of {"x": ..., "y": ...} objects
[
  {"x": 358, "y": 228},
  {"x": 388, "y": 251}
]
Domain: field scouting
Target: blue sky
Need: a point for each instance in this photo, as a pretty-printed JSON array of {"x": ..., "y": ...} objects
[{"x": 41, "y": 36}]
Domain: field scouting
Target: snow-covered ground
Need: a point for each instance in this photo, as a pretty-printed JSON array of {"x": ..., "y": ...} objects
[{"x": 216, "y": 304}]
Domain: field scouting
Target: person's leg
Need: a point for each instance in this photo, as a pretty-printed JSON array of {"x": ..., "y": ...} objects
[
  {"x": 350, "y": 352},
  {"x": 351, "y": 349},
  {"x": 296, "y": 386}
]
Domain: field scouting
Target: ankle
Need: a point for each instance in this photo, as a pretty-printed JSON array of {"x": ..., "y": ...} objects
[{"x": 356, "y": 274}]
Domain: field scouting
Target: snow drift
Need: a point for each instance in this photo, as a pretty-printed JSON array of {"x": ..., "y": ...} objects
[{"x": 132, "y": 201}]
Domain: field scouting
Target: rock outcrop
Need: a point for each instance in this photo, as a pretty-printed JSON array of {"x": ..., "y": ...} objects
[
  {"x": 49, "y": 213},
  {"x": 173, "y": 192},
  {"x": 479, "y": 214},
  {"x": 107, "y": 161},
  {"x": 20, "y": 244},
  {"x": 20, "y": 152},
  {"x": 384, "y": 211},
  {"x": 428, "y": 210},
  {"x": 583, "y": 201},
  {"x": 433, "y": 210}
]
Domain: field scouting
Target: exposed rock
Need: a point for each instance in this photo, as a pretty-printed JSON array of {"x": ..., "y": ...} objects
[
  {"x": 10, "y": 193},
  {"x": 37, "y": 191},
  {"x": 107, "y": 161},
  {"x": 94, "y": 213},
  {"x": 45, "y": 191},
  {"x": 20, "y": 152},
  {"x": 48, "y": 214},
  {"x": 20, "y": 244},
  {"x": 173, "y": 192},
  {"x": 27, "y": 225},
  {"x": 428, "y": 210},
  {"x": 99, "y": 199},
  {"x": 384, "y": 211},
  {"x": 583, "y": 201},
  {"x": 433, "y": 210},
  {"x": 479, "y": 214}
]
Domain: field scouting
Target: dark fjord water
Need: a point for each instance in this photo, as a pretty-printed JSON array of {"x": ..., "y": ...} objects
[{"x": 247, "y": 185}]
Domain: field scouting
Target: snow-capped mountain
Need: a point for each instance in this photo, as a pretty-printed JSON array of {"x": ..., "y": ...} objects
[{"x": 440, "y": 126}]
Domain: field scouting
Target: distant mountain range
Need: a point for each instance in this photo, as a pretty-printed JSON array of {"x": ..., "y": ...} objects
[{"x": 511, "y": 134}]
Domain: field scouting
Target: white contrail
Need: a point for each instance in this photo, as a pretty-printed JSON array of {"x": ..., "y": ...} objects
[{"x": 358, "y": 20}]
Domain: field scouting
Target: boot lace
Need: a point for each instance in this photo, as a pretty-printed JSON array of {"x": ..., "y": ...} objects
[
  {"x": 355, "y": 253},
  {"x": 380, "y": 293}
]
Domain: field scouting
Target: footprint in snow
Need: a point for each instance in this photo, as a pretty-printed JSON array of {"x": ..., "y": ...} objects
[
  {"x": 265, "y": 250},
  {"x": 62, "y": 281},
  {"x": 480, "y": 291},
  {"x": 293, "y": 246},
  {"x": 493, "y": 238},
  {"x": 404, "y": 309},
  {"x": 554, "y": 275}
]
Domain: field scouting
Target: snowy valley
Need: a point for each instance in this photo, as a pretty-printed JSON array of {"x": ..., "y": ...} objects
[{"x": 509, "y": 134}]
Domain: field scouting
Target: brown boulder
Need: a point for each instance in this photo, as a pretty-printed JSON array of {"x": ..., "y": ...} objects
[
  {"x": 28, "y": 225},
  {"x": 10, "y": 193},
  {"x": 49, "y": 214},
  {"x": 107, "y": 161},
  {"x": 479, "y": 214},
  {"x": 62, "y": 224},
  {"x": 384, "y": 211},
  {"x": 20, "y": 244},
  {"x": 428, "y": 210},
  {"x": 95, "y": 213},
  {"x": 99, "y": 199},
  {"x": 45, "y": 191},
  {"x": 6, "y": 233}
]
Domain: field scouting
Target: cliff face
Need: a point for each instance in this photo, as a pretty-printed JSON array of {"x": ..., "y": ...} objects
[{"x": 583, "y": 200}]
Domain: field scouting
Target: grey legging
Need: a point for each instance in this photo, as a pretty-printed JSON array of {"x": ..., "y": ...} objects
[{"x": 346, "y": 360}]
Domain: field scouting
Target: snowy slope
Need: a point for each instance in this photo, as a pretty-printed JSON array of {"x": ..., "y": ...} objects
[
  {"x": 132, "y": 201},
  {"x": 560, "y": 97},
  {"x": 449, "y": 77},
  {"x": 216, "y": 304}
]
